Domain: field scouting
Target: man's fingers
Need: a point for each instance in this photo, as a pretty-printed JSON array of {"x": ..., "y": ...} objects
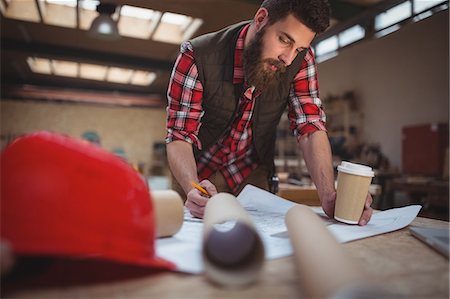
[
  {"x": 329, "y": 210},
  {"x": 209, "y": 187},
  {"x": 196, "y": 203},
  {"x": 365, "y": 217},
  {"x": 198, "y": 199},
  {"x": 328, "y": 204},
  {"x": 369, "y": 200},
  {"x": 194, "y": 209},
  {"x": 196, "y": 196},
  {"x": 367, "y": 212}
]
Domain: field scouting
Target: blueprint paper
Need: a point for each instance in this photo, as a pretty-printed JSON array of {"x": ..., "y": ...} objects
[{"x": 268, "y": 212}]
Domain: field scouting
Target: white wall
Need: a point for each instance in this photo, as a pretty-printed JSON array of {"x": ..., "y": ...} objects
[{"x": 400, "y": 79}]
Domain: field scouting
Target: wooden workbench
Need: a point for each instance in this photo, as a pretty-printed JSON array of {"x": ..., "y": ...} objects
[{"x": 403, "y": 264}]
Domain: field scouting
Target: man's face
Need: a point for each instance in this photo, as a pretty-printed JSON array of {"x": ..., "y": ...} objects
[{"x": 274, "y": 48}]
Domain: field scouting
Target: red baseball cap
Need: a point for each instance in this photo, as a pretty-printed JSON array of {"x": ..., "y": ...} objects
[{"x": 61, "y": 196}]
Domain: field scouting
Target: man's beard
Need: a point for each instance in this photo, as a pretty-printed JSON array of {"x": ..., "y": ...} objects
[{"x": 256, "y": 69}]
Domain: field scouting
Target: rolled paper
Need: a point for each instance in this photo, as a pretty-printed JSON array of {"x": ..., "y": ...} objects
[
  {"x": 221, "y": 247},
  {"x": 324, "y": 267},
  {"x": 233, "y": 252},
  {"x": 169, "y": 213}
]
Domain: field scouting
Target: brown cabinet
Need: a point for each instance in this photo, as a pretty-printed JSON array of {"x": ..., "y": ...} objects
[{"x": 423, "y": 149}]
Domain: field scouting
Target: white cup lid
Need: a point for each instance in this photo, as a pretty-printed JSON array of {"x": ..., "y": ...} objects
[{"x": 356, "y": 169}]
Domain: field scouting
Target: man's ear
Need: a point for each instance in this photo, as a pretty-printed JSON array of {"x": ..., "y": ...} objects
[{"x": 261, "y": 18}]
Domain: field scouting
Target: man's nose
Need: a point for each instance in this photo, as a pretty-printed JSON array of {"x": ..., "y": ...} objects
[{"x": 288, "y": 56}]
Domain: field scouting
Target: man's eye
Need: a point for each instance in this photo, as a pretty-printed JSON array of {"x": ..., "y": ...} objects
[{"x": 284, "y": 40}]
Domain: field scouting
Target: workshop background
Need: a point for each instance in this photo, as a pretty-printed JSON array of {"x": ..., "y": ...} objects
[{"x": 383, "y": 75}]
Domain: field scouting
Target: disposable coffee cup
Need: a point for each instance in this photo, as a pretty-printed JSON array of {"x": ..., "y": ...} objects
[{"x": 352, "y": 187}]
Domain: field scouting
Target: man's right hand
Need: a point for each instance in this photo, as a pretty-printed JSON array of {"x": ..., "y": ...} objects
[{"x": 196, "y": 200}]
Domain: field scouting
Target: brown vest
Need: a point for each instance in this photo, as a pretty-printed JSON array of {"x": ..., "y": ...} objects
[{"x": 214, "y": 58}]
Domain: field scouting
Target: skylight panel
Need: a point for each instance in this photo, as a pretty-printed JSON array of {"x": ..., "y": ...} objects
[
  {"x": 134, "y": 22},
  {"x": 136, "y": 12},
  {"x": 39, "y": 65},
  {"x": 59, "y": 12},
  {"x": 24, "y": 10},
  {"x": 393, "y": 15},
  {"x": 137, "y": 22},
  {"x": 176, "y": 28},
  {"x": 176, "y": 19},
  {"x": 143, "y": 78},
  {"x": 69, "y": 3},
  {"x": 87, "y": 13},
  {"x": 119, "y": 75},
  {"x": 192, "y": 28},
  {"x": 65, "y": 68},
  {"x": 90, "y": 71},
  {"x": 93, "y": 71},
  {"x": 88, "y": 4}
]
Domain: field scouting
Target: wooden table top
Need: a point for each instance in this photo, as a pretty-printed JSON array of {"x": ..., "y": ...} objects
[{"x": 403, "y": 264}]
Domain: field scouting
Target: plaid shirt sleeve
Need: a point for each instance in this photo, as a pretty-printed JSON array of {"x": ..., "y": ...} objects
[
  {"x": 305, "y": 112},
  {"x": 184, "y": 94}
]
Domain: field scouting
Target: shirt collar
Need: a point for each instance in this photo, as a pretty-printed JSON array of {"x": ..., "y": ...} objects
[{"x": 238, "y": 74}]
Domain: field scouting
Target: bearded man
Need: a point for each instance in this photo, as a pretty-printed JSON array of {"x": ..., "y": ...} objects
[{"x": 226, "y": 95}]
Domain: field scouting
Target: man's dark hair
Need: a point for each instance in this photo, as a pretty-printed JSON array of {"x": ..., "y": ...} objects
[{"x": 315, "y": 14}]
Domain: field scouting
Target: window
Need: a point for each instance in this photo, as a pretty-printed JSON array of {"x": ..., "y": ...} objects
[
  {"x": 384, "y": 23},
  {"x": 351, "y": 35},
  {"x": 422, "y": 5},
  {"x": 328, "y": 45},
  {"x": 393, "y": 15}
]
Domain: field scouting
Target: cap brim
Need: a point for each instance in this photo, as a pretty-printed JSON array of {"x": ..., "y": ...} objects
[{"x": 159, "y": 263}]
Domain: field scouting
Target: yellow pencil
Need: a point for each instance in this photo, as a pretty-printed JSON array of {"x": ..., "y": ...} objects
[{"x": 196, "y": 186}]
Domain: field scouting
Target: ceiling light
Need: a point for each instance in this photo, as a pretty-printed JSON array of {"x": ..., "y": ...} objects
[{"x": 104, "y": 26}]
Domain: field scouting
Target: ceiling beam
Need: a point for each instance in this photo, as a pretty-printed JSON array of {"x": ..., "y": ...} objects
[
  {"x": 342, "y": 11},
  {"x": 81, "y": 96},
  {"x": 76, "y": 83}
]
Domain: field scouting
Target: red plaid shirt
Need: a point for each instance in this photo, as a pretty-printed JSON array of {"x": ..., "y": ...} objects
[{"x": 234, "y": 154}]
